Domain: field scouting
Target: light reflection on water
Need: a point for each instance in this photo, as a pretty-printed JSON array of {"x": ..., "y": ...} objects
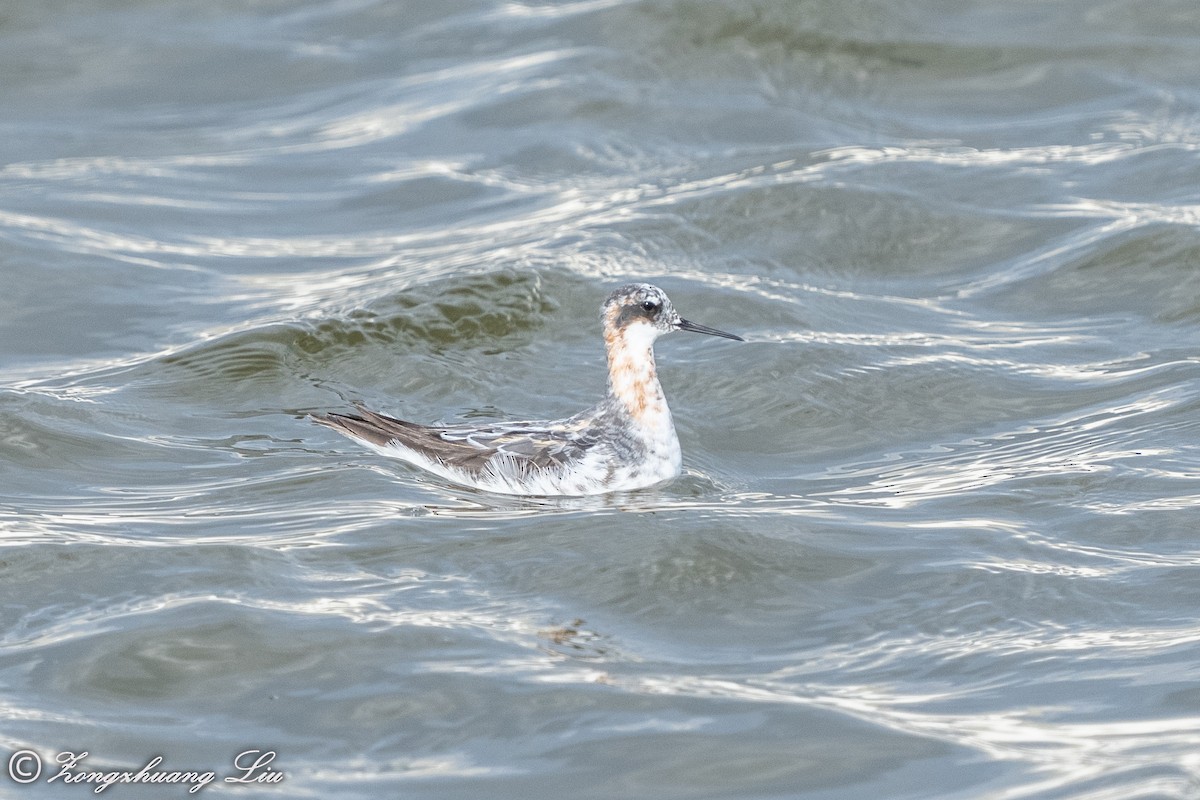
[{"x": 934, "y": 534}]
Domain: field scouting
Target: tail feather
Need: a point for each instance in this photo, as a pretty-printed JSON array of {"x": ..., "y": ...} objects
[
  {"x": 381, "y": 430},
  {"x": 374, "y": 428}
]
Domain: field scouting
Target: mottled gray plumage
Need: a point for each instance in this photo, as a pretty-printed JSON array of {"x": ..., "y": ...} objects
[{"x": 539, "y": 445}]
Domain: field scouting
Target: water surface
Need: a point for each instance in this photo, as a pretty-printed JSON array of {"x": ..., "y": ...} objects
[{"x": 934, "y": 537}]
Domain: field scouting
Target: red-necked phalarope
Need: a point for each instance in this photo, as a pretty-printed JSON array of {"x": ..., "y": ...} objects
[{"x": 627, "y": 441}]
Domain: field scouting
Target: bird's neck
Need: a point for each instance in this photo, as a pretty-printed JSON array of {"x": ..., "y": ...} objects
[{"x": 633, "y": 380}]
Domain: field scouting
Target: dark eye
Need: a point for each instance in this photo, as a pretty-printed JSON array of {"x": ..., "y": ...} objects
[{"x": 649, "y": 306}]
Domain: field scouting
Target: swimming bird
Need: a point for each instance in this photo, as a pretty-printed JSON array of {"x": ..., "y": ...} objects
[{"x": 626, "y": 441}]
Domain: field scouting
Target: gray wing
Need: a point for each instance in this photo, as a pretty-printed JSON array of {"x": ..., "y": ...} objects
[{"x": 532, "y": 444}]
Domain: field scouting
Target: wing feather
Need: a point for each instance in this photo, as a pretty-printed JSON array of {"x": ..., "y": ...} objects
[{"x": 525, "y": 445}]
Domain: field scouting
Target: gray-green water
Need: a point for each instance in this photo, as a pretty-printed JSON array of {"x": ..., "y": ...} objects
[{"x": 936, "y": 535}]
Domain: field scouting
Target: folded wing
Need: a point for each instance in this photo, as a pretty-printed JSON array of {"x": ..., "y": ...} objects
[{"x": 526, "y": 445}]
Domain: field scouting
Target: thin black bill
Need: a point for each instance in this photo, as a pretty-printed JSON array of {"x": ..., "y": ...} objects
[{"x": 684, "y": 325}]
